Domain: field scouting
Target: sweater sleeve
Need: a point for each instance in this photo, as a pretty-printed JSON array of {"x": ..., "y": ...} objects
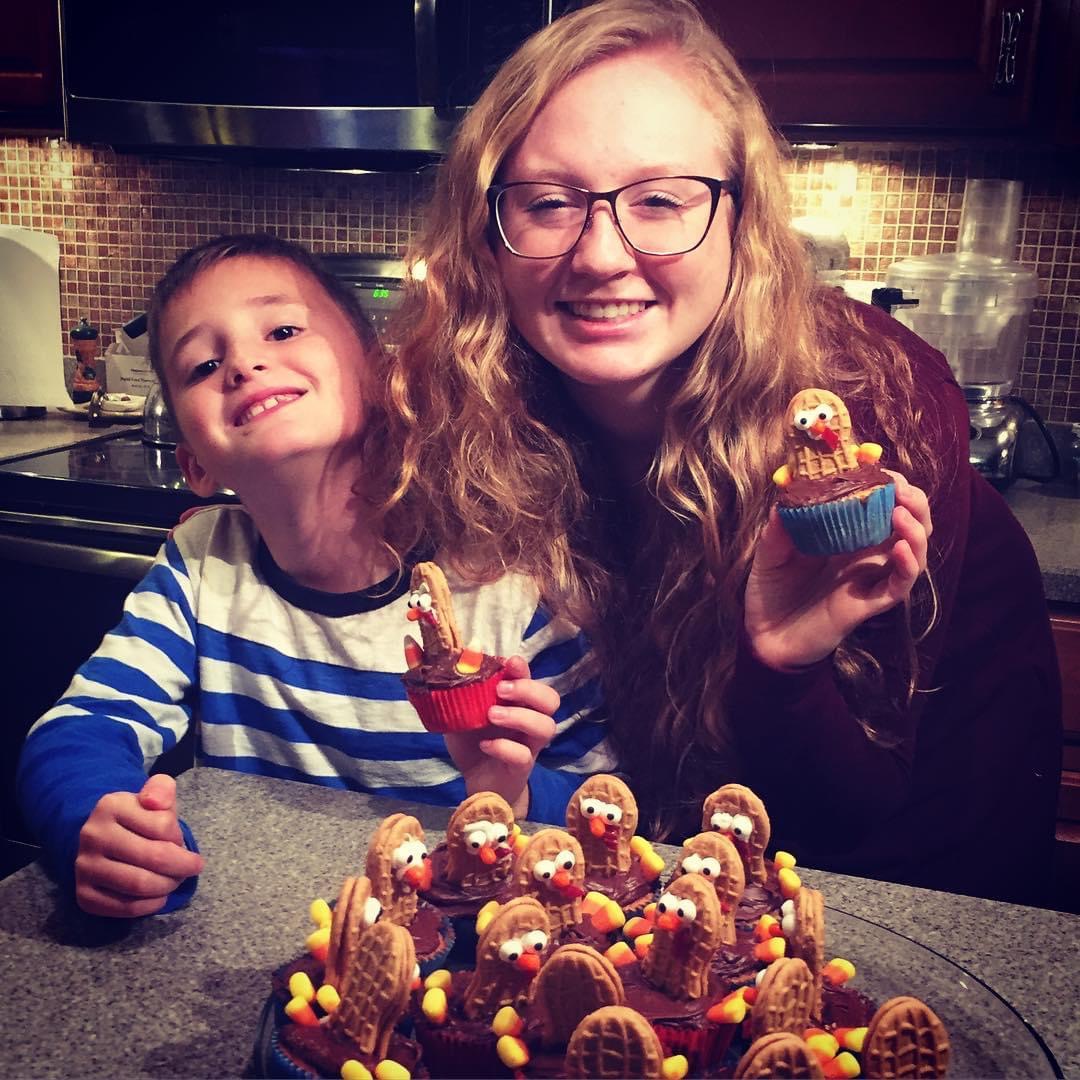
[
  {"x": 559, "y": 655},
  {"x": 798, "y": 734},
  {"x": 124, "y": 707}
]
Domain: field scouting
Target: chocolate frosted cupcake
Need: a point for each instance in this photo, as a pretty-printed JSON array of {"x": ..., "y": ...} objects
[
  {"x": 834, "y": 498},
  {"x": 451, "y": 685},
  {"x": 602, "y": 815}
]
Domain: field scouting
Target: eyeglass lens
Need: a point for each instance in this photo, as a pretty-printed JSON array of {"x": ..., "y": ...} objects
[{"x": 658, "y": 217}]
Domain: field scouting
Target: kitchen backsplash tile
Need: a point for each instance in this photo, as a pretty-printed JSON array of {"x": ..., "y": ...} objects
[{"x": 122, "y": 219}]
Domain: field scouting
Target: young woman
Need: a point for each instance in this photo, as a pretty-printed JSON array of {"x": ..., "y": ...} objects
[{"x": 593, "y": 387}]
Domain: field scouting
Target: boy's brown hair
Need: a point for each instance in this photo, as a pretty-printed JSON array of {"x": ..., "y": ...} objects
[{"x": 258, "y": 245}]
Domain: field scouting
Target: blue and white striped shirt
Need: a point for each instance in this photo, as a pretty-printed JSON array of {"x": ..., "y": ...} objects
[{"x": 285, "y": 681}]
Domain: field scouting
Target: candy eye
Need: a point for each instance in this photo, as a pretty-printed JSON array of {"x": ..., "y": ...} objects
[
  {"x": 721, "y": 821},
  {"x": 787, "y": 917},
  {"x": 591, "y": 807},
  {"x": 686, "y": 910},
  {"x": 612, "y": 813},
  {"x": 510, "y": 951},
  {"x": 477, "y": 836},
  {"x": 825, "y": 412},
  {"x": 409, "y": 853},
  {"x": 710, "y": 868},
  {"x": 742, "y": 827},
  {"x": 372, "y": 911},
  {"x": 565, "y": 860},
  {"x": 414, "y": 599},
  {"x": 536, "y": 940},
  {"x": 692, "y": 863},
  {"x": 666, "y": 903},
  {"x": 759, "y": 976},
  {"x": 497, "y": 833},
  {"x": 544, "y": 870},
  {"x": 424, "y": 602}
]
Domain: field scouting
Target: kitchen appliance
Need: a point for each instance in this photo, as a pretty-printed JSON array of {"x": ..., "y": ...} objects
[
  {"x": 159, "y": 428},
  {"x": 320, "y": 84},
  {"x": 78, "y": 528},
  {"x": 32, "y": 368},
  {"x": 975, "y": 305}
]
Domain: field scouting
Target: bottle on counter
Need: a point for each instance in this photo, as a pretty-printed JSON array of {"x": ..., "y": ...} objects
[{"x": 87, "y": 378}]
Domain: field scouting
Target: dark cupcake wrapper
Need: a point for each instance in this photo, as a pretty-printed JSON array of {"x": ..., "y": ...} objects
[
  {"x": 439, "y": 958},
  {"x": 847, "y": 525},
  {"x": 284, "y": 1065}
]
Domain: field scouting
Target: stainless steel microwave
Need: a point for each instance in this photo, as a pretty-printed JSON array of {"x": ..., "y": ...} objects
[{"x": 324, "y": 83}]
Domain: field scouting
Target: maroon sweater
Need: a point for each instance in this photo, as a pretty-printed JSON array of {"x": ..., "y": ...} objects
[{"x": 966, "y": 801}]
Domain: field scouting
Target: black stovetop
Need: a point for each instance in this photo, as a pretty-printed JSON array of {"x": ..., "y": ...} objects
[{"x": 117, "y": 479}]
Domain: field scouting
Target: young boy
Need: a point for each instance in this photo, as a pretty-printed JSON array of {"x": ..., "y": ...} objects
[{"x": 278, "y": 625}]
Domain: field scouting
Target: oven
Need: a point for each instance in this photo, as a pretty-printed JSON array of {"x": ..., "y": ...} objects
[{"x": 78, "y": 528}]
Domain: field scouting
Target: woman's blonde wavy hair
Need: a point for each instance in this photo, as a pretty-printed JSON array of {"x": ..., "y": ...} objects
[{"x": 498, "y": 467}]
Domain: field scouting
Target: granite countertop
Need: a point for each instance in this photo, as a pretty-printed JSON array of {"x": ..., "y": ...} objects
[
  {"x": 55, "y": 431},
  {"x": 180, "y": 995},
  {"x": 1050, "y": 514}
]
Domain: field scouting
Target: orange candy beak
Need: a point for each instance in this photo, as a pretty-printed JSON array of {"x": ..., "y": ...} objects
[
  {"x": 668, "y": 921},
  {"x": 419, "y": 877},
  {"x": 597, "y": 827},
  {"x": 529, "y": 961},
  {"x": 412, "y": 614},
  {"x": 561, "y": 879},
  {"x": 488, "y": 856}
]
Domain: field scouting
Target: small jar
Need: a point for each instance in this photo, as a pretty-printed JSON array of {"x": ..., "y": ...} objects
[{"x": 87, "y": 379}]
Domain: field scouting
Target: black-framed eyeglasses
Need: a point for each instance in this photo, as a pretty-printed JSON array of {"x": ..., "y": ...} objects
[{"x": 663, "y": 215}]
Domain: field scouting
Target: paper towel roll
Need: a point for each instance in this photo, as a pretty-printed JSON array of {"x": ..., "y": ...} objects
[{"x": 31, "y": 339}]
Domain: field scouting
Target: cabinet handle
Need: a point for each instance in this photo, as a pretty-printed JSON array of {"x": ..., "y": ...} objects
[{"x": 1005, "y": 74}]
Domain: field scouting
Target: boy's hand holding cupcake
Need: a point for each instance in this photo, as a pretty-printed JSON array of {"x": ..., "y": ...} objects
[
  {"x": 847, "y": 542},
  {"x": 494, "y": 716}
]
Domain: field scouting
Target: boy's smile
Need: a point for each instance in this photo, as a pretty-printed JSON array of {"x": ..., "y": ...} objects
[{"x": 263, "y": 369}]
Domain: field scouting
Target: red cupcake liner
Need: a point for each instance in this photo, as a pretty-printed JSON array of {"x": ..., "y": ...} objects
[
  {"x": 456, "y": 708},
  {"x": 702, "y": 1044}
]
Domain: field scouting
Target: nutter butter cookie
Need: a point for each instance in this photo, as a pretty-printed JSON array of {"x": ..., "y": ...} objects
[
  {"x": 602, "y": 815},
  {"x": 784, "y": 1000},
  {"x": 715, "y": 857},
  {"x": 551, "y": 868},
  {"x": 803, "y": 923},
  {"x": 780, "y": 1053},
  {"x": 736, "y": 812},
  {"x": 575, "y": 981},
  {"x": 905, "y": 1038},
  {"x": 450, "y": 684},
  {"x": 508, "y": 956},
  {"x": 398, "y": 866},
  {"x": 614, "y": 1042},
  {"x": 834, "y": 497},
  {"x": 688, "y": 932},
  {"x": 374, "y": 995},
  {"x": 356, "y": 910}
]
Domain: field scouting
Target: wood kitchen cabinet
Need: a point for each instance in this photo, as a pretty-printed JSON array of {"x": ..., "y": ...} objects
[
  {"x": 1065, "y": 623},
  {"x": 837, "y": 68},
  {"x": 30, "y": 87}
]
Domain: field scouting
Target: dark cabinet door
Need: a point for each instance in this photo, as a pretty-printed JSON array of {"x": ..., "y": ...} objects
[
  {"x": 30, "y": 95},
  {"x": 923, "y": 66}
]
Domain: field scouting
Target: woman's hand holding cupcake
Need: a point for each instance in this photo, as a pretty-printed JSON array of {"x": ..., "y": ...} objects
[
  {"x": 500, "y": 756},
  {"x": 800, "y": 607}
]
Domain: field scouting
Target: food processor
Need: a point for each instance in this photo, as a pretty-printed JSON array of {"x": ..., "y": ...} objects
[{"x": 975, "y": 305}]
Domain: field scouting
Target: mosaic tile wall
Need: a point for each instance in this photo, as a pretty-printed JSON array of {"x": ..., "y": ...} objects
[{"x": 122, "y": 219}]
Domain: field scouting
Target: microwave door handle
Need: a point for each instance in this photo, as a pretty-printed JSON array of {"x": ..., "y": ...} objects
[{"x": 425, "y": 27}]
